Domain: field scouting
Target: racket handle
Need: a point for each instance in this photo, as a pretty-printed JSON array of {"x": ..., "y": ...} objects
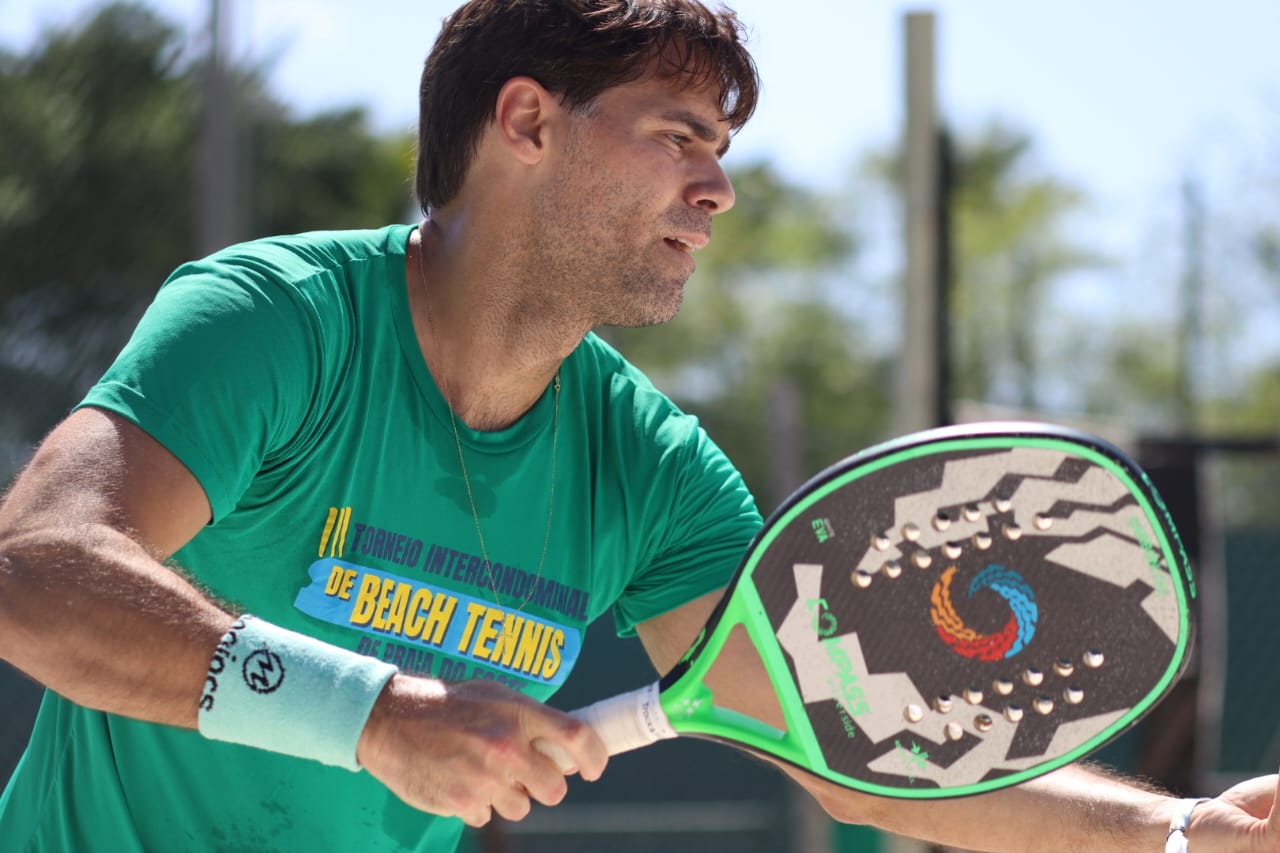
[{"x": 624, "y": 722}]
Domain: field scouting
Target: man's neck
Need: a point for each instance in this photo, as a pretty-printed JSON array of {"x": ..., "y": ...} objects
[{"x": 491, "y": 339}]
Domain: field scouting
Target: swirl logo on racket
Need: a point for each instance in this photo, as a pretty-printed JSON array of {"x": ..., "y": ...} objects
[{"x": 967, "y": 642}]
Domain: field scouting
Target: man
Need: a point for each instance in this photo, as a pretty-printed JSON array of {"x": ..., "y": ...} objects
[{"x": 406, "y": 456}]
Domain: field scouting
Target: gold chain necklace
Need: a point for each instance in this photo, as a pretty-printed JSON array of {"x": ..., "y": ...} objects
[{"x": 466, "y": 478}]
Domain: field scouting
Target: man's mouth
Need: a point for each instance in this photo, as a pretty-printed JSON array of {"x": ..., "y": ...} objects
[{"x": 686, "y": 244}]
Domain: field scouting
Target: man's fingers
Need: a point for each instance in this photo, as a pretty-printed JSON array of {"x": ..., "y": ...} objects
[
  {"x": 544, "y": 781},
  {"x": 512, "y": 803},
  {"x": 569, "y": 744},
  {"x": 469, "y": 749},
  {"x": 1273, "y": 818},
  {"x": 558, "y": 755}
]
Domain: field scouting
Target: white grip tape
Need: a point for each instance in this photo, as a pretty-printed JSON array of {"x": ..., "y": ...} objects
[
  {"x": 624, "y": 722},
  {"x": 628, "y": 721}
]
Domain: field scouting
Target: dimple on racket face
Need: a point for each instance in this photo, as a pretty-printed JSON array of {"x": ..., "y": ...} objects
[{"x": 953, "y": 613}]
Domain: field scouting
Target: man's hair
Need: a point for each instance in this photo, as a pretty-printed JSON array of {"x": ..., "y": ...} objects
[{"x": 576, "y": 49}]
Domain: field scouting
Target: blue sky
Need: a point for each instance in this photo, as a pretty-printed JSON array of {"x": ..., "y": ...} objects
[{"x": 1122, "y": 97}]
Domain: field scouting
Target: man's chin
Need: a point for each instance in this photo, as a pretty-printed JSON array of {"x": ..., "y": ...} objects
[{"x": 654, "y": 315}]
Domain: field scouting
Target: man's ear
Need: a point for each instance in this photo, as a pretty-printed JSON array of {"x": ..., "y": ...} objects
[{"x": 523, "y": 116}]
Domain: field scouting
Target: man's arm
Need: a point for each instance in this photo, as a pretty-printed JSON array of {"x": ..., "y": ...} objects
[
  {"x": 1069, "y": 810},
  {"x": 88, "y": 608}
]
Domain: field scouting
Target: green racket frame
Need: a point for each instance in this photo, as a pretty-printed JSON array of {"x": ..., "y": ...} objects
[{"x": 689, "y": 704}]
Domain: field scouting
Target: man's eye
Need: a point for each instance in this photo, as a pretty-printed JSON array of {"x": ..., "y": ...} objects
[{"x": 678, "y": 138}]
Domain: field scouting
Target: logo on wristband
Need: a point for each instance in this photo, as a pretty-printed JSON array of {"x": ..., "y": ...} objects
[{"x": 263, "y": 671}]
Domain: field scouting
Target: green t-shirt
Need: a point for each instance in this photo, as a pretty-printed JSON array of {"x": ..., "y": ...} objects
[{"x": 286, "y": 375}]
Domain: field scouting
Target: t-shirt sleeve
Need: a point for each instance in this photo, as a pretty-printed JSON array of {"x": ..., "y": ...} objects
[
  {"x": 700, "y": 537},
  {"x": 219, "y": 370}
]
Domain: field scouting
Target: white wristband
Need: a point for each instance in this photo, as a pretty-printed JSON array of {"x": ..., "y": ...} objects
[
  {"x": 1176, "y": 841},
  {"x": 279, "y": 690}
]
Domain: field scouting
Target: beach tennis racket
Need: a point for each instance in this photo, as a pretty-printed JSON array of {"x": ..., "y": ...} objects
[{"x": 950, "y": 613}]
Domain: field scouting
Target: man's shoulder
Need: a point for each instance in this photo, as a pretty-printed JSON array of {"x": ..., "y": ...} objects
[
  {"x": 301, "y": 267},
  {"x": 618, "y": 377},
  {"x": 296, "y": 256},
  {"x": 629, "y": 401}
]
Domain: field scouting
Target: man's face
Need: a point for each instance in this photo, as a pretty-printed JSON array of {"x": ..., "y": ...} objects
[{"x": 632, "y": 198}]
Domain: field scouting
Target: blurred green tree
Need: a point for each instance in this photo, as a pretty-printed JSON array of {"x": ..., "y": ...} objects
[
  {"x": 98, "y": 188},
  {"x": 1010, "y": 248}
]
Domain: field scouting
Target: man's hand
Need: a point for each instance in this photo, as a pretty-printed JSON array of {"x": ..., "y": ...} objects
[
  {"x": 1243, "y": 818},
  {"x": 465, "y": 750}
]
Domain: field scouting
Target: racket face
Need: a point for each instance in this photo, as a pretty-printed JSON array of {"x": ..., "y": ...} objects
[{"x": 957, "y": 612}]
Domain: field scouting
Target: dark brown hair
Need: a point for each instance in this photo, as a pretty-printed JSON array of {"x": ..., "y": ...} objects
[{"x": 576, "y": 49}]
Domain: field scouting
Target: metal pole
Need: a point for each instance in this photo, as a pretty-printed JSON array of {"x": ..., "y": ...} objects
[
  {"x": 1189, "y": 325},
  {"x": 920, "y": 355},
  {"x": 218, "y": 220}
]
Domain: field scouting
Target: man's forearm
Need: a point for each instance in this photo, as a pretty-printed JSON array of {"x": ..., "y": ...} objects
[
  {"x": 107, "y": 627},
  {"x": 86, "y": 605},
  {"x": 1071, "y": 810}
]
